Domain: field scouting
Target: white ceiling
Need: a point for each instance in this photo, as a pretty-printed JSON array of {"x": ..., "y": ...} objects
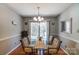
[{"x": 46, "y": 9}]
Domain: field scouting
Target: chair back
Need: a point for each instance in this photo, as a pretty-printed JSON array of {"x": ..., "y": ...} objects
[
  {"x": 24, "y": 42},
  {"x": 56, "y": 43}
]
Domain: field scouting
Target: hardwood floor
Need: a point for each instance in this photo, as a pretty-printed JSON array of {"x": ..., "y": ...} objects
[{"x": 19, "y": 51}]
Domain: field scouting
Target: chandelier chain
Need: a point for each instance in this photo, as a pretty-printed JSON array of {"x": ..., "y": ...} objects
[{"x": 38, "y": 10}]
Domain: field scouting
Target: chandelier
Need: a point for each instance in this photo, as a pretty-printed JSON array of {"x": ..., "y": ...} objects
[{"x": 38, "y": 18}]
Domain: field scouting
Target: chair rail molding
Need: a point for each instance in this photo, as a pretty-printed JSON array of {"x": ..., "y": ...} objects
[
  {"x": 69, "y": 38},
  {"x": 6, "y": 38}
]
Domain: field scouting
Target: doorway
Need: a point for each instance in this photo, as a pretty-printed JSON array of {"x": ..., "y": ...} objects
[{"x": 39, "y": 29}]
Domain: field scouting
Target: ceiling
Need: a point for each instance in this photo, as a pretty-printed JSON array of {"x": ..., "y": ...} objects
[{"x": 46, "y": 9}]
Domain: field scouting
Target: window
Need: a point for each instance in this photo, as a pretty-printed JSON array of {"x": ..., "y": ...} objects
[{"x": 66, "y": 26}]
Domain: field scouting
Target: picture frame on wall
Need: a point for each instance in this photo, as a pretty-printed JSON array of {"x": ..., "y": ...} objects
[{"x": 66, "y": 26}]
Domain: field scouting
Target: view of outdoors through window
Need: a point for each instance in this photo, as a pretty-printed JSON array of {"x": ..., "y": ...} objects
[{"x": 35, "y": 31}]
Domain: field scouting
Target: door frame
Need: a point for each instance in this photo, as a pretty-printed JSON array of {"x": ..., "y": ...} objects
[{"x": 40, "y": 21}]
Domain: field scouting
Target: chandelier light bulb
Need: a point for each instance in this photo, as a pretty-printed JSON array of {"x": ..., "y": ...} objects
[
  {"x": 42, "y": 18},
  {"x": 39, "y": 17},
  {"x": 35, "y": 19}
]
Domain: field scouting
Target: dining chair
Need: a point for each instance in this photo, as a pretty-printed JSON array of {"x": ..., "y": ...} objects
[
  {"x": 25, "y": 45},
  {"x": 55, "y": 46}
]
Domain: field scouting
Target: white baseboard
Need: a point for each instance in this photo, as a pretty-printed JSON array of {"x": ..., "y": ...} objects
[
  {"x": 65, "y": 51},
  {"x": 13, "y": 49}
]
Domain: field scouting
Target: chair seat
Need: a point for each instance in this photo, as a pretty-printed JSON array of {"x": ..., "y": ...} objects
[
  {"x": 52, "y": 51},
  {"x": 51, "y": 46},
  {"x": 28, "y": 50}
]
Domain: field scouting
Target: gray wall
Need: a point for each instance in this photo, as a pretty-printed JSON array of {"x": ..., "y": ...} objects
[
  {"x": 53, "y": 29},
  {"x": 9, "y": 33},
  {"x": 71, "y": 12}
]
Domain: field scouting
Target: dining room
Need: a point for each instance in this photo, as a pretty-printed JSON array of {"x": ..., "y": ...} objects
[{"x": 39, "y": 29}]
